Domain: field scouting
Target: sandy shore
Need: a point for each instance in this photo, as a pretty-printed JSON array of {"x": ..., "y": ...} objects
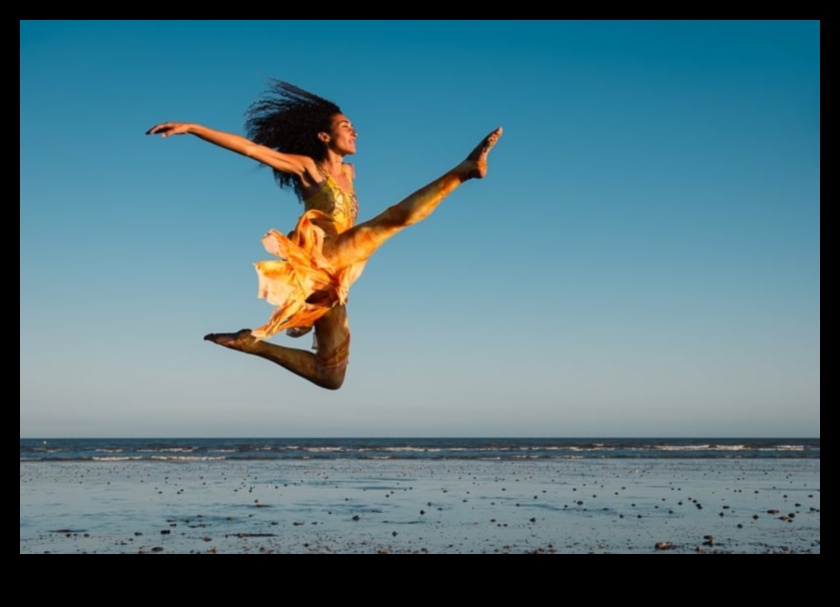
[{"x": 389, "y": 507}]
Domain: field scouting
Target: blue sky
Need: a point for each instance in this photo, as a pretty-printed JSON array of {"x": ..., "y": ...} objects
[{"x": 643, "y": 258}]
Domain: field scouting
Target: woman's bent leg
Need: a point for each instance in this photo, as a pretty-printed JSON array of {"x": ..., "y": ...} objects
[
  {"x": 360, "y": 242},
  {"x": 325, "y": 367}
]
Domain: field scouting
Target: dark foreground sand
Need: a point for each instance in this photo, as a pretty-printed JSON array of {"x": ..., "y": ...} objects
[{"x": 647, "y": 506}]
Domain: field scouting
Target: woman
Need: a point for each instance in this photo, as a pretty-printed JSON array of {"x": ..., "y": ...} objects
[{"x": 304, "y": 139}]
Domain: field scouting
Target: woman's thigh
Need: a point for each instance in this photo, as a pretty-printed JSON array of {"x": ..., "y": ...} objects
[{"x": 332, "y": 337}]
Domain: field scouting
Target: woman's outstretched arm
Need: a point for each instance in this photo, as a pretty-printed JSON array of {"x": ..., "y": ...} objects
[{"x": 295, "y": 164}]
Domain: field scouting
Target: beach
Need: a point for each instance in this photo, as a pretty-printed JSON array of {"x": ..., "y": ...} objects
[{"x": 421, "y": 506}]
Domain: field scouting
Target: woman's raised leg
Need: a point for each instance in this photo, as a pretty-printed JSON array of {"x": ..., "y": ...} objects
[
  {"x": 361, "y": 241},
  {"x": 325, "y": 367}
]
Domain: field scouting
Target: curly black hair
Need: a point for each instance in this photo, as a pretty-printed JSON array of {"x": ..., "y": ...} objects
[{"x": 288, "y": 119}]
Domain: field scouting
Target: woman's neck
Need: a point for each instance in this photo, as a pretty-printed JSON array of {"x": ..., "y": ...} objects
[{"x": 333, "y": 163}]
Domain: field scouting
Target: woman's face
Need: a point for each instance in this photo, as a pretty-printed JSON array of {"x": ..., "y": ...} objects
[{"x": 342, "y": 135}]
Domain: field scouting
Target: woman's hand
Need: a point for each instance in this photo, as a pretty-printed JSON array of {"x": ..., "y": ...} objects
[{"x": 165, "y": 129}]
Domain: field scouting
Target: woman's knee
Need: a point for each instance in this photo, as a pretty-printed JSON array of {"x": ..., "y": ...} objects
[
  {"x": 331, "y": 373},
  {"x": 332, "y": 381}
]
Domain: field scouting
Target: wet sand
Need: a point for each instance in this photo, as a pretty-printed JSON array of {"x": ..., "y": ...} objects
[{"x": 667, "y": 506}]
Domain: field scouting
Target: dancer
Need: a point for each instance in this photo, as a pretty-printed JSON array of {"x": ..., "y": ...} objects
[{"x": 304, "y": 138}]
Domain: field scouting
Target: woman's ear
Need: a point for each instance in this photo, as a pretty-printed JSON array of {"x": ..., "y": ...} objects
[{"x": 324, "y": 137}]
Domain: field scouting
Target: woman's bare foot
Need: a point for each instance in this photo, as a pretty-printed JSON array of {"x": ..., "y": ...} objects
[
  {"x": 475, "y": 166},
  {"x": 242, "y": 340}
]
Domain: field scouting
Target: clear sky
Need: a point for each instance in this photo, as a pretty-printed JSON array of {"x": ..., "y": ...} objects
[{"x": 643, "y": 258}]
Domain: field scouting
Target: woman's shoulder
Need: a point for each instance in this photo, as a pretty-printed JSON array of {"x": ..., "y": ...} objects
[
  {"x": 349, "y": 170},
  {"x": 310, "y": 175}
]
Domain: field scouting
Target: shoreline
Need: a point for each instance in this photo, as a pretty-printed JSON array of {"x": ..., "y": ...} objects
[{"x": 676, "y": 506}]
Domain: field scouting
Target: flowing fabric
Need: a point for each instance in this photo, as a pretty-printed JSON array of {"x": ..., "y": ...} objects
[{"x": 302, "y": 283}]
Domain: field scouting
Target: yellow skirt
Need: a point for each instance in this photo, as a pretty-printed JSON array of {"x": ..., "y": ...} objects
[{"x": 301, "y": 283}]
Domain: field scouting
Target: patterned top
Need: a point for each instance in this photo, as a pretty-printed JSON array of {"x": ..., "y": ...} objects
[{"x": 342, "y": 206}]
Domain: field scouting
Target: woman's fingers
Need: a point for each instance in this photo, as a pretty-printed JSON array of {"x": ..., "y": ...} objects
[{"x": 165, "y": 128}]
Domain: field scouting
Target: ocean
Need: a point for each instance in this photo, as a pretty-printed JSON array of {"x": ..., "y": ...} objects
[{"x": 491, "y": 449}]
